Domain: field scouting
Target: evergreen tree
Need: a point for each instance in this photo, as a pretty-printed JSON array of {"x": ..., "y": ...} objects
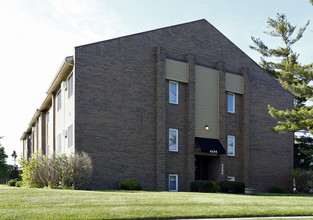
[
  {"x": 292, "y": 75},
  {"x": 3, "y": 164},
  {"x": 304, "y": 152}
]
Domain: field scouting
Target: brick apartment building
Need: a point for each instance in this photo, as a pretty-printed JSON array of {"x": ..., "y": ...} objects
[{"x": 166, "y": 107}]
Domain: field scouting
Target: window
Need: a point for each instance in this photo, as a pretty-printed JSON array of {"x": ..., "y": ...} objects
[
  {"x": 173, "y": 92},
  {"x": 173, "y": 182},
  {"x": 59, "y": 100},
  {"x": 173, "y": 139},
  {"x": 48, "y": 150},
  {"x": 70, "y": 86},
  {"x": 231, "y": 103},
  {"x": 230, "y": 145},
  {"x": 70, "y": 136},
  {"x": 231, "y": 178},
  {"x": 59, "y": 143}
]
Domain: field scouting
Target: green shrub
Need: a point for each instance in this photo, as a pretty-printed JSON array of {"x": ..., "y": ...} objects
[
  {"x": 73, "y": 172},
  {"x": 232, "y": 187},
  {"x": 12, "y": 182},
  {"x": 203, "y": 186},
  {"x": 276, "y": 189},
  {"x": 303, "y": 180},
  {"x": 129, "y": 184},
  {"x": 19, "y": 184}
]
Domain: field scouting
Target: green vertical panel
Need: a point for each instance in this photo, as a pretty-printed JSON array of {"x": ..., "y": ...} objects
[{"x": 206, "y": 109}]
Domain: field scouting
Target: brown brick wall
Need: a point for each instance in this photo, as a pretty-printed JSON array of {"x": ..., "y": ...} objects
[{"x": 122, "y": 99}]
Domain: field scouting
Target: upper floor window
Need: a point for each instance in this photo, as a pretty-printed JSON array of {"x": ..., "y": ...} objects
[
  {"x": 173, "y": 139},
  {"x": 230, "y": 145},
  {"x": 70, "y": 86},
  {"x": 173, "y": 92},
  {"x": 231, "y": 103},
  {"x": 59, "y": 100}
]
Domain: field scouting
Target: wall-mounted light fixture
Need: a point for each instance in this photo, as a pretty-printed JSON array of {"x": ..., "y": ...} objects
[{"x": 206, "y": 128}]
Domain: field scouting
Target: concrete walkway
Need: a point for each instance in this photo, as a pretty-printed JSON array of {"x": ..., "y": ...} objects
[{"x": 255, "y": 218}]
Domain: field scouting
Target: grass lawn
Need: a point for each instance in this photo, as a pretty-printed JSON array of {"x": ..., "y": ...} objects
[{"x": 22, "y": 203}]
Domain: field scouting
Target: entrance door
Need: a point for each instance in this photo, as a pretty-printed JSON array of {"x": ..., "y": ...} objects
[
  {"x": 202, "y": 168},
  {"x": 207, "y": 167}
]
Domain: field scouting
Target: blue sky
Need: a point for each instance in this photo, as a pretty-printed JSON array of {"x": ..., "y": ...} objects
[{"x": 37, "y": 34}]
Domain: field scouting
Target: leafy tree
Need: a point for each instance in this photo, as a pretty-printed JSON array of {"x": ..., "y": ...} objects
[
  {"x": 3, "y": 164},
  {"x": 292, "y": 75},
  {"x": 311, "y": 1}
]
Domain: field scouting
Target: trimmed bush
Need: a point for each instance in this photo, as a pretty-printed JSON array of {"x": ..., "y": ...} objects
[
  {"x": 129, "y": 184},
  {"x": 12, "y": 182},
  {"x": 232, "y": 187},
  {"x": 203, "y": 186},
  {"x": 19, "y": 184},
  {"x": 276, "y": 189}
]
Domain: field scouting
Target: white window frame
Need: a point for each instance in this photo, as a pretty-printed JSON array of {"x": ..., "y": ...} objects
[
  {"x": 233, "y": 110},
  {"x": 169, "y": 140},
  {"x": 59, "y": 143},
  {"x": 48, "y": 150},
  {"x": 169, "y": 92},
  {"x": 70, "y": 85},
  {"x": 169, "y": 182},
  {"x": 59, "y": 100},
  {"x": 70, "y": 136},
  {"x": 231, "y": 178},
  {"x": 232, "y": 154}
]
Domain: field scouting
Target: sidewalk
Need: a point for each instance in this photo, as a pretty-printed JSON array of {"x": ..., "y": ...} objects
[{"x": 252, "y": 218}]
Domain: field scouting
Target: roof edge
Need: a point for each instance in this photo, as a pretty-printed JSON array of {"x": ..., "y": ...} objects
[
  {"x": 67, "y": 61},
  {"x": 143, "y": 32}
]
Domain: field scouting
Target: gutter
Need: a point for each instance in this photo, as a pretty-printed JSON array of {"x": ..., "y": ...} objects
[{"x": 66, "y": 66}]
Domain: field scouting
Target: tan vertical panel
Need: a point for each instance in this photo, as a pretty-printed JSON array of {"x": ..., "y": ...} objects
[
  {"x": 234, "y": 83},
  {"x": 176, "y": 70},
  {"x": 206, "y": 103}
]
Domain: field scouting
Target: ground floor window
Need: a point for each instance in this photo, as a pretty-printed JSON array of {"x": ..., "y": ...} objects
[
  {"x": 231, "y": 178},
  {"x": 48, "y": 150},
  {"x": 70, "y": 136},
  {"x": 173, "y": 182},
  {"x": 59, "y": 143}
]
